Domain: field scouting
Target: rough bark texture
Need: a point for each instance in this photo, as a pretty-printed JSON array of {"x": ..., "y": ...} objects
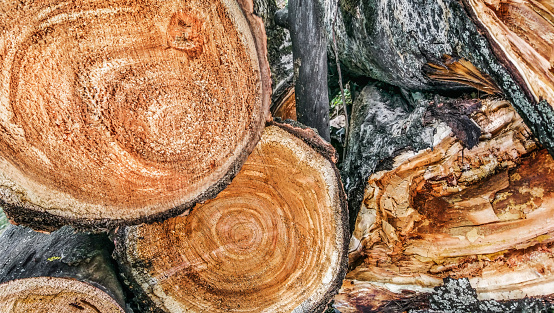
[
  {"x": 383, "y": 125},
  {"x": 427, "y": 214},
  {"x": 62, "y": 254},
  {"x": 392, "y": 40},
  {"x": 275, "y": 240},
  {"x": 309, "y": 42},
  {"x": 123, "y": 112},
  {"x": 279, "y": 49}
]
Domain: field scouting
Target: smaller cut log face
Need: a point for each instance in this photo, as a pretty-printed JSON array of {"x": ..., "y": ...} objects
[
  {"x": 522, "y": 34},
  {"x": 54, "y": 295},
  {"x": 126, "y": 109},
  {"x": 273, "y": 241}
]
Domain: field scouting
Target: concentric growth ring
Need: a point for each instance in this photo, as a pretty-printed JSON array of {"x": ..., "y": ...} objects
[
  {"x": 271, "y": 242},
  {"x": 124, "y": 110}
]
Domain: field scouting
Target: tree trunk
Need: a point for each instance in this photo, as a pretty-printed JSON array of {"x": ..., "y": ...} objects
[
  {"x": 309, "y": 49},
  {"x": 126, "y": 112},
  {"x": 460, "y": 208},
  {"x": 506, "y": 44},
  {"x": 274, "y": 241},
  {"x": 59, "y": 272}
]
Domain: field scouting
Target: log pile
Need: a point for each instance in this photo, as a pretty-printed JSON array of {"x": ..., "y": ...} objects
[
  {"x": 121, "y": 113},
  {"x": 444, "y": 178},
  {"x": 150, "y": 121}
]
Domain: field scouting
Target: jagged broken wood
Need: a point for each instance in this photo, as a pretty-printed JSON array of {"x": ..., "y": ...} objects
[
  {"x": 121, "y": 112},
  {"x": 429, "y": 213},
  {"x": 506, "y": 44},
  {"x": 275, "y": 240}
]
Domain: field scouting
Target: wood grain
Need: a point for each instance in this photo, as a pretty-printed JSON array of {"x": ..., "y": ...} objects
[
  {"x": 273, "y": 241},
  {"x": 124, "y": 110}
]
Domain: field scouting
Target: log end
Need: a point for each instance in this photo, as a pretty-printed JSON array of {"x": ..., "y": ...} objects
[
  {"x": 274, "y": 240},
  {"x": 49, "y": 294}
]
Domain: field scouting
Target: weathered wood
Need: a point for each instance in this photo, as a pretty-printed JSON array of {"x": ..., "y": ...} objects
[
  {"x": 59, "y": 272},
  {"x": 275, "y": 240},
  {"x": 121, "y": 112},
  {"x": 427, "y": 214},
  {"x": 392, "y": 41},
  {"x": 279, "y": 48},
  {"x": 309, "y": 49}
]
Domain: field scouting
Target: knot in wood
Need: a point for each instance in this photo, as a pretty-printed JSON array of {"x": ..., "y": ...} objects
[{"x": 184, "y": 32}]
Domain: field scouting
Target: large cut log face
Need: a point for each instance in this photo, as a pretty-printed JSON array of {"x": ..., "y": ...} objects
[
  {"x": 273, "y": 241},
  {"x": 126, "y": 108},
  {"x": 522, "y": 32},
  {"x": 53, "y": 295},
  {"x": 484, "y": 213}
]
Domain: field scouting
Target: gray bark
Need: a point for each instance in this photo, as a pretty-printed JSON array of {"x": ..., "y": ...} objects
[
  {"x": 63, "y": 253},
  {"x": 383, "y": 124},
  {"x": 279, "y": 47},
  {"x": 309, "y": 42},
  {"x": 391, "y": 40}
]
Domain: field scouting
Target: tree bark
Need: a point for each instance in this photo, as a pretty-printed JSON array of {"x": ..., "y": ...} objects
[
  {"x": 274, "y": 241},
  {"x": 59, "y": 272},
  {"x": 309, "y": 49},
  {"x": 126, "y": 112},
  {"x": 507, "y": 42}
]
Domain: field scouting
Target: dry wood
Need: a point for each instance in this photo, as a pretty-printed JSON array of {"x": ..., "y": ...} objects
[
  {"x": 54, "y": 295},
  {"x": 275, "y": 240},
  {"x": 484, "y": 213},
  {"x": 119, "y": 112},
  {"x": 500, "y": 45},
  {"x": 521, "y": 35}
]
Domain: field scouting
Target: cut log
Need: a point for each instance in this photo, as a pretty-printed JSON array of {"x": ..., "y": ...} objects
[
  {"x": 483, "y": 213},
  {"x": 123, "y": 112},
  {"x": 275, "y": 240},
  {"x": 53, "y": 295},
  {"x": 506, "y": 44},
  {"x": 59, "y": 272}
]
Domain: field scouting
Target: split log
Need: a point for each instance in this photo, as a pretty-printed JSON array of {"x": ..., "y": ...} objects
[
  {"x": 123, "y": 112},
  {"x": 59, "y": 272},
  {"x": 403, "y": 43},
  {"x": 448, "y": 211},
  {"x": 275, "y": 240}
]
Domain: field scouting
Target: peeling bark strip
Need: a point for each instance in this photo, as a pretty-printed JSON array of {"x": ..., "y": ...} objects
[
  {"x": 56, "y": 272},
  {"x": 485, "y": 214},
  {"x": 120, "y": 112},
  {"x": 275, "y": 240}
]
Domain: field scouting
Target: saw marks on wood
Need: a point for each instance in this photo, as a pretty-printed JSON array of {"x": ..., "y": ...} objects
[
  {"x": 125, "y": 108},
  {"x": 273, "y": 241},
  {"x": 54, "y": 295}
]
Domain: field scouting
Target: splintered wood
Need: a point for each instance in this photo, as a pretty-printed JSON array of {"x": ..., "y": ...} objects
[
  {"x": 520, "y": 32},
  {"x": 275, "y": 240},
  {"x": 119, "y": 112},
  {"x": 485, "y": 213}
]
